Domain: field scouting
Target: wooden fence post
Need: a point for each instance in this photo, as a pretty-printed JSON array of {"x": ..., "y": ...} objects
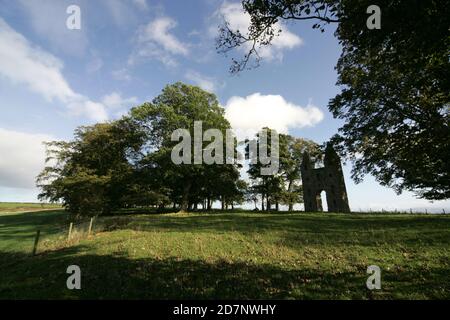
[
  {"x": 90, "y": 226},
  {"x": 70, "y": 231},
  {"x": 36, "y": 241}
]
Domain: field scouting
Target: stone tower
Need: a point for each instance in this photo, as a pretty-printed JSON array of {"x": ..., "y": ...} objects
[{"x": 330, "y": 179}]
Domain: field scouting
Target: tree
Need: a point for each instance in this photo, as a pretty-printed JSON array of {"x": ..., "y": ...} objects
[
  {"x": 128, "y": 163},
  {"x": 290, "y": 163},
  {"x": 91, "y": 174},
  {"x": 395, "y": 85},
  {"x": 283, "y": 187},
  {"x": 178, "y": 107}
]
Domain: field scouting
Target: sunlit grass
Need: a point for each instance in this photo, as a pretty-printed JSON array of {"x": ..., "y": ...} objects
[{"x": 230, "y": 255}]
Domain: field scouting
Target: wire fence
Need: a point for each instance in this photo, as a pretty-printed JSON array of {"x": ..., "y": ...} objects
[{"x": 70, "y": 233}]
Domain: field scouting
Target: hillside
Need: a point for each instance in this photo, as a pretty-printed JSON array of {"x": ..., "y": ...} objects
[{"x": 228, "y": 255}]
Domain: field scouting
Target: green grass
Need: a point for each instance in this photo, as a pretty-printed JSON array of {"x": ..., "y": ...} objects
[
  {"x": 6, "y": 207},
  {"x": 230, "y": 255}
]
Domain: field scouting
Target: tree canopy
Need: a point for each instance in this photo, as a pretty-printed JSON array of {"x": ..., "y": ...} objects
[
  {"x": 395, "y": 88},
  {"x": 128, "y": 163}
]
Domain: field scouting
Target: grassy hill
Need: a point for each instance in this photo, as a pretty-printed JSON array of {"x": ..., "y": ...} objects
[
  {"x": 228, "y": 255},
  {"x": 26, "y": 206}
]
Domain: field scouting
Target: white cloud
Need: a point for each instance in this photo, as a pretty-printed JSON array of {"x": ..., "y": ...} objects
[
  {"x": 40, "y": 71},
  {"x": 155, "y": 41},
  {"x": 238, "y": 20},
  {"x": 204, "y": 82},
  {"x": 256, "y": 111},
  {"x": 159, "y": 32},
  {"x": 115, "y": 101},
  {"x": 85, "y": 108},
  {"x": 22, "y": 158}
]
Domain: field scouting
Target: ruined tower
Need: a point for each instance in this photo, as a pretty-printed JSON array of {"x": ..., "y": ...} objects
[{"x": 330, "y": 179}]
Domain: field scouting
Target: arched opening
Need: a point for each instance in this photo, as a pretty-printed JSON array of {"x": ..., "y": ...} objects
[{"x": 323, "y": 196}]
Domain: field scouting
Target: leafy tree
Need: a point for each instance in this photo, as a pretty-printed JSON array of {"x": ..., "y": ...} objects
[
  {"x": 284, "y": 187},
  {"x": 178, "y": 107},
  {"x": 395, "y": 84},
  {"x": 290, "y": 163},
  {"x": 91, "y": 174}
]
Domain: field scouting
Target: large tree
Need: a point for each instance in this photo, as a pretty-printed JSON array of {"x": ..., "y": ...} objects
[
  {"x": 178, "y": 107},
  {"x": 395, "y": 83},
  {"x": 92, "y": 174},
  {"x": 128, "y": 163}
]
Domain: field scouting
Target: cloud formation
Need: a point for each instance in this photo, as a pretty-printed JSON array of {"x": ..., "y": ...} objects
[
  {"x": 206, "y": 83},
  {"x": 155, "y": 41},
  {"x": 256, "y": 111},
  {"x": 115, "y": 101},
  {"x": 22, "y": 158},
  {"x": 41, "y": 72}
]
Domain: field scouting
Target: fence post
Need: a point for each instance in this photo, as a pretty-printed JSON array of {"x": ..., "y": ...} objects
[
  {"x": 90, "y": 226},
  {"x": 36, "y": 241},
  {"x": 70, "y": 231}
]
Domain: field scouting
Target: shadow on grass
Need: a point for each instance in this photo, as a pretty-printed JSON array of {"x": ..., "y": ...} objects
[{"x": 117, "y": 277}]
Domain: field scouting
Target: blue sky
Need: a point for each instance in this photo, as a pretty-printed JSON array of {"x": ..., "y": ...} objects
[{"x": 53, "y": 79}]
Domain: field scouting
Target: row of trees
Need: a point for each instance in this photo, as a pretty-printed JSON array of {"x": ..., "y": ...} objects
[
  {"x": 127, "y": 163},
  {"x": 395, "y": 84}
]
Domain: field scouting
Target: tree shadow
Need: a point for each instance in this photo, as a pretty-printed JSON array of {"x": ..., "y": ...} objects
[{"x": 118, "y": 277}]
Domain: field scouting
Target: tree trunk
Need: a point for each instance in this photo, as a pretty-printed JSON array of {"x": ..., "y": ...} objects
[
  {"x": 291, "y": 204},
  {"x": 185, "y": 200},
  {"x": 262, "y": 202}
]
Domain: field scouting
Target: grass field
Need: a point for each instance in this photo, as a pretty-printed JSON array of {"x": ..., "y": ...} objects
[
  {"x": 230, "y": 255},
  {"x": 24, "y": 207}
]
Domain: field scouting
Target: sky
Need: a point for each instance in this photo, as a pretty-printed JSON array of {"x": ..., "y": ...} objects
[{"x": 54, "y": 79}]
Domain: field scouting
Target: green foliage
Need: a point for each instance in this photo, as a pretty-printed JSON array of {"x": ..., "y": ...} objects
[
  {"x": 395, "y": 95},
  {"x": 90, "y": 174},
  {"x": 395, "y": 86},
  {"x": 127, "y": 163},
  {"x": 177, "y": 107},
  {"x": 283, "y": 187}
]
